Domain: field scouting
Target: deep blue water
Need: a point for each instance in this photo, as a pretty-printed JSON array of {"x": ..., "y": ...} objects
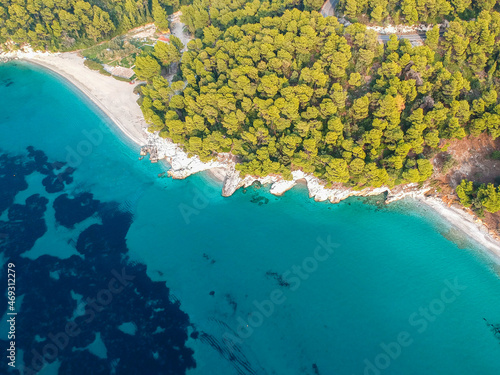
[{"x": 121, "y": 271}]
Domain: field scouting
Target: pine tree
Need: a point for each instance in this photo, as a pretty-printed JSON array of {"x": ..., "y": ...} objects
[{"x": 160, "y": 16}]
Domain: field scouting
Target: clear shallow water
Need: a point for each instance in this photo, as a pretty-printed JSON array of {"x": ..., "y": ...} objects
[{"x": 205, "y": 267}]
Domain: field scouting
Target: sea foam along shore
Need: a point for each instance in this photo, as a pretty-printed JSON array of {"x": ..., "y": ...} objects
[{"x": 118, "y": 101}]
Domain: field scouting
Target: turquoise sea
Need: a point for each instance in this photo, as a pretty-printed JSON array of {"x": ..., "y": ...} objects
[{"x": 122, "y": 271}]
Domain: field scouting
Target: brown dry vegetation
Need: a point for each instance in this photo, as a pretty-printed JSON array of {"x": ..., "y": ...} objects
[
  {"x": 473, "y": 157},
  {"x": 473, "y": 162}
]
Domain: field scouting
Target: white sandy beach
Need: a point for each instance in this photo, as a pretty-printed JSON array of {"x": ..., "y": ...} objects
[
  {"x": 117, "y": 100},
  {"x": 466, "y": 223}
]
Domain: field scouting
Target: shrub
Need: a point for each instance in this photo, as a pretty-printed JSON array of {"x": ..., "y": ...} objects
[
  {"x": 448, "y": 163},
  {"x": 96, "y": 66},
  {"x": 495, "y": 155}
]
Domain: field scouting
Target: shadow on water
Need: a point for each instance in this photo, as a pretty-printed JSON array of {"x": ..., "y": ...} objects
[{"x": 53, "y": 327}]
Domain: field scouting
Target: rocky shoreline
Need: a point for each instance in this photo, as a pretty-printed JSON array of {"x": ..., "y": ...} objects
[
  {"x": 223, "y": 169},
  {"x": 182, "y": 166}
]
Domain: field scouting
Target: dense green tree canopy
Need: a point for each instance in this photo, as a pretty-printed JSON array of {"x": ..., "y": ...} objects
[
  {"x": 413, "y": 11},
  {"x": 226, "y": 13},
  {"x": 69, "y": 24},
  {"x": 479, "y": 197},
  {"x": 300, "y": 91}
]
